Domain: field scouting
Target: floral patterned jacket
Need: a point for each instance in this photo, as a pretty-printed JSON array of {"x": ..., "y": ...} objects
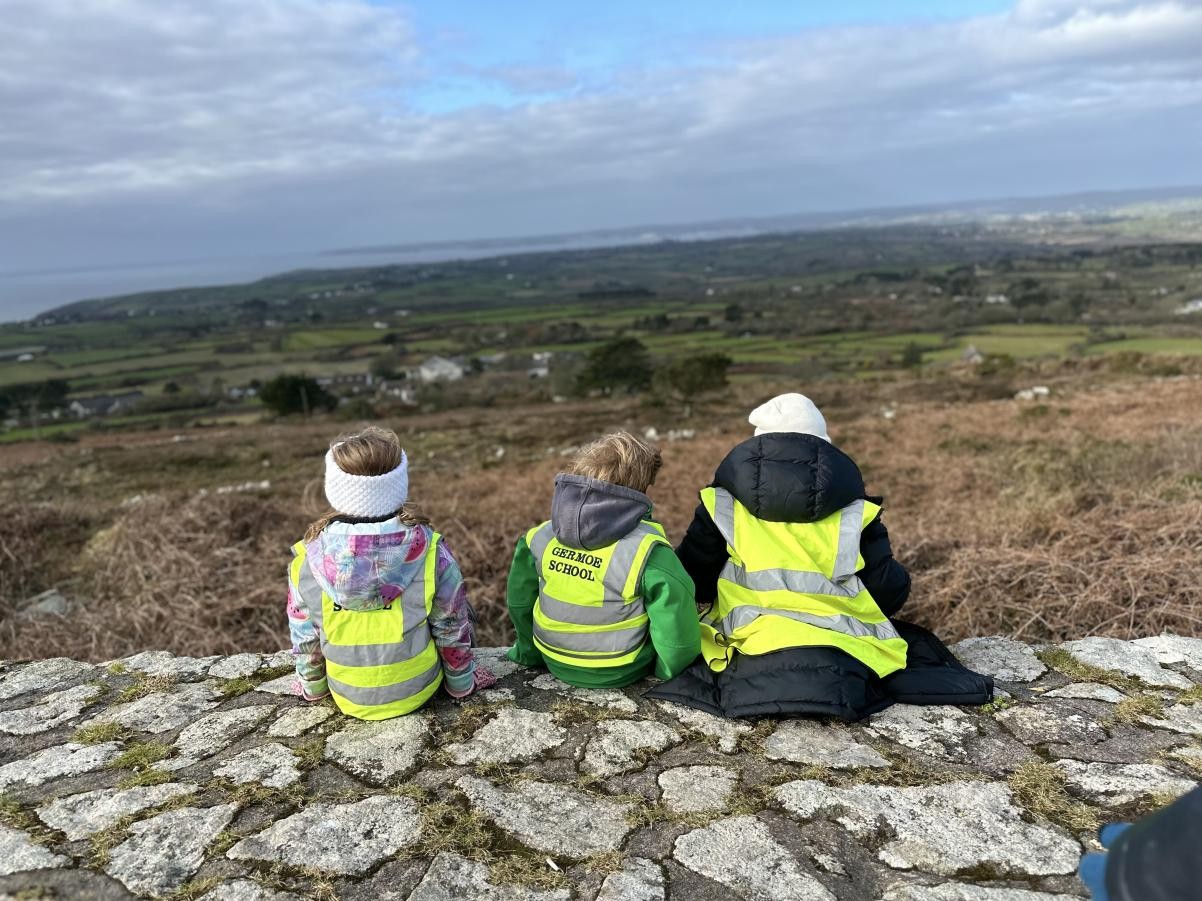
[{"x": 362, "y": 565}]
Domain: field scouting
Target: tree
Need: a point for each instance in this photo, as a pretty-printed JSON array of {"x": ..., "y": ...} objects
[
  {"x": 620, "y": 363},
  {"x": 732, "y": 313},
  {"x": 912, "y": 355},
  {"x": 692, "y": 376},
  {"x": 382, "y": 368},
  {"x": 285, "y": 395},
  {"x": 33, "y": 398}
]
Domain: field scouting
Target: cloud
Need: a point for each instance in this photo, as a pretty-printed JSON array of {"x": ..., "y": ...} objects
[{"x": 149, "y": 126}]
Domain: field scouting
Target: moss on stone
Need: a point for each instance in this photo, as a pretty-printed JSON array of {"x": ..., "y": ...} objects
[
  {"x": 140, "y": 756},
  {"x": 99, "y": 733},
  {"x": 232, "y": 688},
  {"x": 525, "y": 868},
  {"x": 1191, "y": 695},
  {"x": 195, "y": 888},
  {"x": 13, "y": 814},
  {"x": 997, "y": 705},
  {"x": 144, "y": 777},
  {"x": 143, "y": 686},
  {"x": 102, "y": 843},
  {"x": 310, "y": 752},
  {"x": 605, "y": 863},
  {"x": 1039, "y": 788},
  {"x": 569, "y": 713},
  {"x": 1131, "y": 710},
  {"x": 1062, "y": 661},
  {"x": 455, "y": 828}
]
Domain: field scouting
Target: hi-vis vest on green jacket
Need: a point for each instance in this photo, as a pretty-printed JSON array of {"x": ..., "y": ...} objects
[
  {"x": 589, "y": 610},
  {"x": 379, "y": 663},
  {"x": 790, "y": 585}
]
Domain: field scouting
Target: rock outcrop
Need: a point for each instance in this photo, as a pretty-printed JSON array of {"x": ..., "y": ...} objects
[{"x": 163, "y": 776}]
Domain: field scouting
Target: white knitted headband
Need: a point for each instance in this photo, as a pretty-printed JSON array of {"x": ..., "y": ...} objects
[{"x": 369, "y": 497}]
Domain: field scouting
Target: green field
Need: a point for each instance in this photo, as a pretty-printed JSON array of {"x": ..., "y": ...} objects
[{"x": 852, "y": 304}]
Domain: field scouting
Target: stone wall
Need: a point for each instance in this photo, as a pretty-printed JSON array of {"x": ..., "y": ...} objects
[{"x": 163, "y": 776}]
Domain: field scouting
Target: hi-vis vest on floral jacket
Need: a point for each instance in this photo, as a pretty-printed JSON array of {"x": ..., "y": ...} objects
[
  {"x": 590, "y": 610},
  {"x": 380, "y": 662},
  {"x": 792, "y": 585}
]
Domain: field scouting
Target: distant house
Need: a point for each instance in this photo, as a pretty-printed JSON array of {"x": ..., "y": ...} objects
[
  {"x": 21, "y": 354},
  {"x": 541, "y": 358},
  {"x": 104, "y": 404},
  {"x": 1192, "y": 306},
  {"x": 348, "y": 383},
  {"x": 538, "y": 372},
  {"x": 440, "y": 369},
  {"x": 398, "y": 390},
  {"x": 996, "y": 299}
]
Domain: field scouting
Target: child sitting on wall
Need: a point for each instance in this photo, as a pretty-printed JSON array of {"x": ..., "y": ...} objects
[
  {"x": 596, "y": 594},
  {"x": 377, "y": 608}
]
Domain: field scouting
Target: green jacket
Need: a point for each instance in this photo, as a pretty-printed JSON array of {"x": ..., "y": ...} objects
[{"x": 671, "y": 610}]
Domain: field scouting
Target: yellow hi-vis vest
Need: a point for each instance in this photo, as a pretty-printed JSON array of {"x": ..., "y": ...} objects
[
  {"x": 379, "y": 663},
  {"x": 590, "y": 610},
  {"x": 790, "y": 585}
]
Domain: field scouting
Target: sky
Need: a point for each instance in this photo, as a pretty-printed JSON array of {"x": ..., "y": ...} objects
[{"x": 152, "y": 131}]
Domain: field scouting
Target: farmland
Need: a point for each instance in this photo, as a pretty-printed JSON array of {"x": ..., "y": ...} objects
[
  {"x": 863, "y": 304},
  {"x": 166, "y": 523}
]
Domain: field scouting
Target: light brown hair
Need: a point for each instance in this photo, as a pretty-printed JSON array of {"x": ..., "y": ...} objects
[
  {"x": 371, "y": 452},
  {"x": 620, "y": 458}
]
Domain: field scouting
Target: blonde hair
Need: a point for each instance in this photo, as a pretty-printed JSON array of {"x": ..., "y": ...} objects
[
  {"x": 371, "y": 452},
  {"x": 620, "y": 458}
]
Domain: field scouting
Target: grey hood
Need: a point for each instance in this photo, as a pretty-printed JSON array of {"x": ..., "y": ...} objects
[{"x": 590, "y": 514}]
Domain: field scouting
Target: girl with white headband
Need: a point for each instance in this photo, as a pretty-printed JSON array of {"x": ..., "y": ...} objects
[{"x": 377, "y": 607}]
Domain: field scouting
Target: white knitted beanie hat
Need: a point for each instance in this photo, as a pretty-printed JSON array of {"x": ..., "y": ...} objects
[
  {"x": 789, "y": 413},
  {"x": 368, "y": 497}
]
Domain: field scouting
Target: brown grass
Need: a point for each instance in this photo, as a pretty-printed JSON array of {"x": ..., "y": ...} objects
[{"x": 1086, "y": 519}]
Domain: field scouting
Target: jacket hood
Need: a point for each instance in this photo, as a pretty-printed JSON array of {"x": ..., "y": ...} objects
[
  {"x": 367, "y": 565},
  {"x": 589, "y": 513},
  {"x": 788, "y": 477}
]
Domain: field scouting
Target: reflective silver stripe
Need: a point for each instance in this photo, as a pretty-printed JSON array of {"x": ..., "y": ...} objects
[
  {"x": 724, "y": 514},
  {"x": 622, "y": 562},
  {"x": 539, "y": 540},
  {"x": 847, "y": 625},
  {"x": 607, "y": 613},
  {"x": 385, "y": 694},
  {"x": 851, "y": 524},
  {"x": 414, "y": 642},
  {"x": 619, "y": 641},
  {"x": 414, "y": 597},
  {"x": 310, "y": 593},
  {"x": 795, "y": 580}
]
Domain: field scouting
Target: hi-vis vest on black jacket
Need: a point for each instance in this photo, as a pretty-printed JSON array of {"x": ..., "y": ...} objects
[
  {"x": 789, "y": 585},
  {"x": 590, "y": 610}
]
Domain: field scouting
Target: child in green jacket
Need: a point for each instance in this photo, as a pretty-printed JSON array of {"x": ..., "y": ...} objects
[{"x": 596, "y": 594}]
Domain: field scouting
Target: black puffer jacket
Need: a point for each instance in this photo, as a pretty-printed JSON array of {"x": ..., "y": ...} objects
[{"x": 785, "y": 477}]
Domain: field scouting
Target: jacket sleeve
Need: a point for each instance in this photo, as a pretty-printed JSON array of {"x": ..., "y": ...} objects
[
  {"x": 521, "y": 592},
  {"x": 310, "y": 663},
  {"x": 702, "y": 553},
  {"x": 886, "y": 579},
  {"x": 451, "y": 624},
  {"x": 672, "y": 612}
]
